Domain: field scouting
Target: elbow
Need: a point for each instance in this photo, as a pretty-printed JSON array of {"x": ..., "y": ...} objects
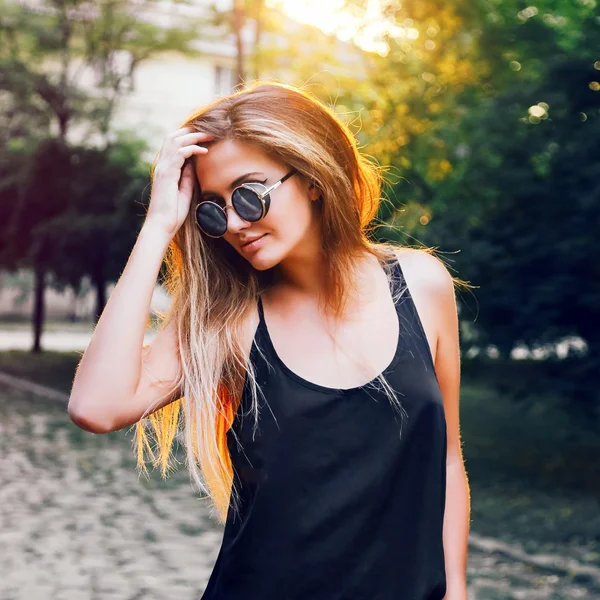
[{"x": 84, "y": 420}]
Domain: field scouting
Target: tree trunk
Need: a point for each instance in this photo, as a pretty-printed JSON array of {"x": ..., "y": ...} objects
[
  {"x": 38, "y": 308},
  {"x": 238, "y": 23},
  {"x": 100, "y": 285},
  {"x": 258, "y": 27}
]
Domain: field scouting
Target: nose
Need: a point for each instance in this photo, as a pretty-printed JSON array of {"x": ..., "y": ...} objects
[{"x": 235, "y": 223}]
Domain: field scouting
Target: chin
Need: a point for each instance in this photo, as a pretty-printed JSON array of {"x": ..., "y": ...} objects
[
  {"x": 266, "y": 258},
  {"x": 263, "y": 262},
  {"x": 270, "y": 255}
]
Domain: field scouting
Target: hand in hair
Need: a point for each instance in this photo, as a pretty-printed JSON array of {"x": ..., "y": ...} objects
[{"x": 173, "y": 179}]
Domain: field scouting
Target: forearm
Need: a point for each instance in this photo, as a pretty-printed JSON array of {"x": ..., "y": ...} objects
[
  {"x": 456, "y": 531},
  {"x": 109, "y": 371}
]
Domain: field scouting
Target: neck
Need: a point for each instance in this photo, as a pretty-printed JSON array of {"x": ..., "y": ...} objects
[{"x": 303, "y": 273}]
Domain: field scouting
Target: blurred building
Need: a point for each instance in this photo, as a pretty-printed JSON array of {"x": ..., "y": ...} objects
[{"x": 167, "y": 88}]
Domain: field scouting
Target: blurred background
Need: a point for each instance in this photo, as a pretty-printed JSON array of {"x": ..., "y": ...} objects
[{"x": 485, "y": 115}]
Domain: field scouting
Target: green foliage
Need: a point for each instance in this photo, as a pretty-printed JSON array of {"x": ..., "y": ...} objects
[
  {"x": 490, "y": 119},
  {"x": 525, "y": 199},
  {"x": 63, "y": 67},
  {"x": 96, "y": 231},
  {"x": 52, "y": 369},
  {"x": 38, "y": 193},
  {"x": 76, "y": 211},
  {"x": 488, "y": 115}
]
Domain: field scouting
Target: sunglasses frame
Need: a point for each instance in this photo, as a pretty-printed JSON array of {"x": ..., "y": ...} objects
[{"x": 247, "y": 186}]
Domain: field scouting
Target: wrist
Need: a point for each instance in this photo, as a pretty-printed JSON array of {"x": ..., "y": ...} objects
[
  {"x": 157, "y": 232},
  {"x": 456, "y": 591}
]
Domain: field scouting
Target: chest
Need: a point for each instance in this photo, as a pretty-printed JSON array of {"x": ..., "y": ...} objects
[{"x": 341, "y": 354}]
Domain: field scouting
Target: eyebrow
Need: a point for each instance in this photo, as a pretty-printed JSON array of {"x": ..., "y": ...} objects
[{"x": 235, "y": 182}]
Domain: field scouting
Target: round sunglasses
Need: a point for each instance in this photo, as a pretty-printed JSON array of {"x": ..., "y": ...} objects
[{"x": 251, "y": 201}]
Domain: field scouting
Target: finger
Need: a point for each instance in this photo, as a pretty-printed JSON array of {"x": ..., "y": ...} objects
[
  {"x": 181, "y": 131},
  {"x": 187, "y": 151},
  {"x": 177, "y": 158},
  {"x": 186, "y": 185},
  {"x": 194, "y": 138}
]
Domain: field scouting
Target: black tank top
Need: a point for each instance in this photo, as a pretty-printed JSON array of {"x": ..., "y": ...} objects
[{"x": 341, "y": 496}]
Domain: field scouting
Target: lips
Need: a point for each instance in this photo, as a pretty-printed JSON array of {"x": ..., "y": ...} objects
[
  {"x": 253, "y": 239},
  {"x": 251, "y": 245}
]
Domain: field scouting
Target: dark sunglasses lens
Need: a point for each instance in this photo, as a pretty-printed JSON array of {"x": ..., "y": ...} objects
[
  {"x": 211, "y": 219},
  {"x": 247, "y": 204}
]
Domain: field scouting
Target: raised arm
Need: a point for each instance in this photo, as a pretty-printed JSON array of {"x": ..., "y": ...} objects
[{"x": 117, "y": 379}]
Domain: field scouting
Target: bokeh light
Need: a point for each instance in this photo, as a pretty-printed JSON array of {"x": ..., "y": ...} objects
[{"x": 367, "y": 29}]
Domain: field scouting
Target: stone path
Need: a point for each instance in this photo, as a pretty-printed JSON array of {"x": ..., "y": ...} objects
[{"x": 76, "y": 522}]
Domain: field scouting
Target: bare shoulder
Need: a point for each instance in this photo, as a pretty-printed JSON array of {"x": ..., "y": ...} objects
[
  {"x": 432, "y": 289},
  {"x": 425, "y": 271}
]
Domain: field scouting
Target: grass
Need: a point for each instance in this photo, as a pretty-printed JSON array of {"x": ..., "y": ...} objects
[
  {"x": 53, "y": 369},
  {"x": 533, "y": 465},
  {"x": 534, "y": 474},
  {"x": 572, "y": 383},
  {"x": 25, "y": 324}
]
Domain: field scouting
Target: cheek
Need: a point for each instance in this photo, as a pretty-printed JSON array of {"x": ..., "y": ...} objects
[
  {"x": 290, "y": 218},
  {"x": 290, "y": 223}
]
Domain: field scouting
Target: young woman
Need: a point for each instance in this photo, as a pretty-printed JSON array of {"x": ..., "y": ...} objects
[{"x": 317, "y": 370}]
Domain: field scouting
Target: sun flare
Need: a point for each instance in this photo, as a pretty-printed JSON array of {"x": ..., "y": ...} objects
[{"x": 366, "y": 29}]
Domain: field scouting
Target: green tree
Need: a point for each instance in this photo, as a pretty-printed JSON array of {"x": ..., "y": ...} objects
[
  {"x": 245, "y": 22},
  {"x": 40, "y": 194},
  {"x": 488, "y": 115},
  {"x": 94, "y": 234},
  {"x": 46, "y": 51}
]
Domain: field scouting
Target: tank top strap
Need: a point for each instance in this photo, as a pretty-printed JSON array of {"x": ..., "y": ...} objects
[
  {"x": 262, "y": 339},
  {"x": 408, "y": 313},
  {"x": 260, "y": 356},
  {"x": 261, "y": 316},
  {"x": 397, "y": 282}
]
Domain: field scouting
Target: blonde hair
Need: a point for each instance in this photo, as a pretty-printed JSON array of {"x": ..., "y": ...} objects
[{"x": 212, "y": 287}]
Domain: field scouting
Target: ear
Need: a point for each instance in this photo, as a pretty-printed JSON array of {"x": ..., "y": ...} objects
[{"x": 314, "y": 193}]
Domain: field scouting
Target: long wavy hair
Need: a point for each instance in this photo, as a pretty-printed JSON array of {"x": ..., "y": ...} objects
[{"x": 213, "y": 288}]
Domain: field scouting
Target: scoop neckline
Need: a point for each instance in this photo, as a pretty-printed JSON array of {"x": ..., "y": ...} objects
[{"x": 317, "y": 386}]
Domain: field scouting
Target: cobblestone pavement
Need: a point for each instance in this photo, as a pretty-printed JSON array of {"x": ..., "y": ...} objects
[{"x": 77, "y": 523}]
